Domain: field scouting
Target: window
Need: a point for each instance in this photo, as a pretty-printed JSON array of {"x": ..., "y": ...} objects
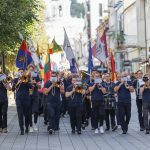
[
  {"x": 60, "y": 11},
  {"x": 100, "y": 10}
]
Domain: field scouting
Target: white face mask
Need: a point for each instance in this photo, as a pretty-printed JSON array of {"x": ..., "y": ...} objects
[
  {"x": 33, "y": 74},
  {"x": 124, "y": 79},
  {"x": 97, "y": 80},
  {"x": 53, "y": 79},
  {"x": 79, "y": 81}
]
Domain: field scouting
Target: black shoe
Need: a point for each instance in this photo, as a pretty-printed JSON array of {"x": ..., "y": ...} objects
[
  {"x": 73, "y": 131},
  {"x": 124, "y": 132},
  {"x": 51, "y": 131},
  {"x": 147, "y": 132},
  {"x": 27, "y": 130},
  {"x": 83, "y": 127},
  {"x": 142, "y": 129},
  {"x": 45, "y": 123},
  {"x": 107, "y": 129},
  {"x": 79, "y": 132},
  {"x": 22, "y": 132},
  {"x": 114, "y": 128}
]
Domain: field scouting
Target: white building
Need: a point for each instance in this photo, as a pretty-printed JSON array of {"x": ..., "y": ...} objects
[
  {"x": 57, "y": 18},
  {"x": 98, "y": 12}
]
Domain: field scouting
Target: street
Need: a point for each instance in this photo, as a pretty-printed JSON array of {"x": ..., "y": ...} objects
[{"x": 64, "y": 140}]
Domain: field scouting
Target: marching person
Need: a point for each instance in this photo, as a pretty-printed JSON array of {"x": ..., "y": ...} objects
[
  {"x": 145, "y": 91},
  {"x": 110, "y": 103},
  {"x": 123, "y": 89},
  {"x": 3, "y": 104},
  {"x": 34, "y": 109},
  {"x": 22, "y": 87},
  {"x": 97, "y": 98},
  {"x": 52, "y": 90},
  {"x": 75, "y": 97},
  {"x": 137, "y": 83}
]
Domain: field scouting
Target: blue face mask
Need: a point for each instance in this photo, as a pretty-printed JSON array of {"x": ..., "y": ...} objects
[
  {"x": 53, "y": 79},
  {"x": 124, "y": 79},
  {"x": 97, "y": 80}
]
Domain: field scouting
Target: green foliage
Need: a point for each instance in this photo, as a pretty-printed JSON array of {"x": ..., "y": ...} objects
[
  {"x": 77, "y": 9},
  {"x": 15, "y": 16}
]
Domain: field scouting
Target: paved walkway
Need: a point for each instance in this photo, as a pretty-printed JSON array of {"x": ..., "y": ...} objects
[{"x": 64, "y": 140}]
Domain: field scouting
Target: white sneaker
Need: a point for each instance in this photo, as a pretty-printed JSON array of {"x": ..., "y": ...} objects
[
  {"x": 96, "y": 131},
  {"x": 35, "y": 127},
  {"x": 31, "y": 129},
  {"x": 101, "y": 129}
]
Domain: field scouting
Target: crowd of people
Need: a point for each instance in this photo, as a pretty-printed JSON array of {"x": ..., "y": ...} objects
[{"x": 98, "y": 102}]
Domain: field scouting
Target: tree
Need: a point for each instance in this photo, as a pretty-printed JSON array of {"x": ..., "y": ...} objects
[
  {"x": 16, "y": 16},
  {"x": 77, "y": 9}
]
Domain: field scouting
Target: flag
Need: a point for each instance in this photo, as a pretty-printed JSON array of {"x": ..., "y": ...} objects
[
  {"x": 47, "y": 69},
  {"x": 40, "y": 57},
  {"x": 34, "y": 55},
  {"x": 69, "y": 53},
  {"x": 23, "y": 57},
  {"x": 90, "y": 60},
  {"x": 113, "y": 68},
  {"x": 99, "y": 50},
  {"x": 103, "y": 40},
  {"x": 54, "y": 47}
]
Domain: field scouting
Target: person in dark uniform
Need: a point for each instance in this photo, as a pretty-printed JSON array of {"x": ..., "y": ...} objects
[
  {"x": 52, "y": 90},
  {"x": 34, "y": 109},
  {"x": 110, "y": 103},
  {"x": 97, "y": 98},
  {"x": 123, "y": 89},
  {"x": 22, "y": 87},
  {"x": 3, "y": 105},
  {"x": 75, "y": 98},
  {"x": 136, "y": 85},
  {"x": 145, "y": 91}
]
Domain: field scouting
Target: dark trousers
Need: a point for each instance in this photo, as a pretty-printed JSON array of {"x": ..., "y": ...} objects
[
  {"x": 110, "y": 115},
  {"x": 125, "y": 114},
  {"x": 98, "y": 113},
  {"x": 75, "y": 113},
  {"x": 53, "y": 114},
  {"x": 45, "y": 110},
  {"x": 23, "y": 115},
  {"x": 3, "y": 114},
  {"x": 64, "y": 106},
  {"x": 140, "y": 112},
  {"x": 146, "y": 111},
  {"x": 34, "y": 109}
]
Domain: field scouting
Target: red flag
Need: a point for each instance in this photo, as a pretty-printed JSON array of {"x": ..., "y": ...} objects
[
  {"x": 103, "y": 40},
  {"x": 113, "y": 68},
  {"x": 99, "y": 50}
]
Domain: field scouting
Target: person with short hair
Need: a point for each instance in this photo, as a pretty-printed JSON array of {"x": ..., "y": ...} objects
[
  {"x": 53, "y": 90},
  {"x": 136, "y": 84},
  {"x": 123, "y": 88},
  {"x": 97, "y": 98},
  {"x": 145, "y": 91}
]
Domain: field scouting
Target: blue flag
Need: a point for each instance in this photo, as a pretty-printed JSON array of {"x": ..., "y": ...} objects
[
  {"x": 23, "y": 57},
  {"x": 90, "y": 60}
]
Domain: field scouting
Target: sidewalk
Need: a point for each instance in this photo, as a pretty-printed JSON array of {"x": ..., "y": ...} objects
[{"x": 64, "y": 140}]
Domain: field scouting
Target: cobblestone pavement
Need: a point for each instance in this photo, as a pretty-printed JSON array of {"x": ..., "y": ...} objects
[{"x": 64, "y": 140}]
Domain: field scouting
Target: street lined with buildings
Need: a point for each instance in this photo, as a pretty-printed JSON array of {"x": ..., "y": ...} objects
[{"x": 64, "y": 140}]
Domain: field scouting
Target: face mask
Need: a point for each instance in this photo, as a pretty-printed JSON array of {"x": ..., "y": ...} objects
[
  {"x": 33, "y": 74},
  {"x": 97, "y": 80},
  {"x": 53, "y": 79},
  {"x": 79, "y": 81},
  {"x": 124, "y": 79}
]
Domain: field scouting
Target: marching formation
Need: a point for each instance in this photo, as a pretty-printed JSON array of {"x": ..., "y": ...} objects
[{"x": 99, "y": 102}]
